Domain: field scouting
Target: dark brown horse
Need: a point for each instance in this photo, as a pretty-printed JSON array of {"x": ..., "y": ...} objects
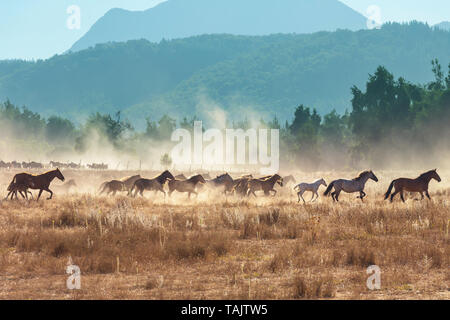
[
  {"x": 155, "y": 184},
  {"x": 129, "y": 181},
  {"x": 39, "y": 182},
  {"x": 113, "y": 187},
  {"x": 264, "y": 184},
  {"x": 13, "y": 188},
  {"x": 224, "y": 182},
  {"x": 419, "y": 184},
  {"x": 186, "y": 185},
  {"x": 240, "y": 185}
]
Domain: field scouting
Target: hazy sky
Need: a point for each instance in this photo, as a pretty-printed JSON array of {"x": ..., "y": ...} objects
[{"x": 38, "y": 28}]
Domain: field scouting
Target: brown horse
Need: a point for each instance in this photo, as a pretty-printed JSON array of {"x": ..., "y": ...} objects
[
  {"x": 13, "y": 188},
  {"x": 224, "y": 181},
  {"x": 186, "y": 185},
  {"x": 240, "y": 185},
  {"x": 155, "y": 184},
  {"x": 129, "y": 181},
  {"x": 264, "y": 184},
  {"x": 419, "y": 184},
  {"x": 113, "y": 187},
  {"x": 39, "y": 182}
]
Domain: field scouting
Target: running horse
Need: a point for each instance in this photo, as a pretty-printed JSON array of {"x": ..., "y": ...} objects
[
  {"x": 113, "y": 187},
  {"x": 155, "y": 184},
  {"x": 39, "y": 182},
  {"x": 313, "y": 187},
  {"x": 264, "y": 184},
  {"x": 224, "y": 181},
  {"x": 350, "y": 186},
  {"x": 185, "y": 185},
  {"x": 419, "y": 184},
  {"x": 128, "y": 182}
]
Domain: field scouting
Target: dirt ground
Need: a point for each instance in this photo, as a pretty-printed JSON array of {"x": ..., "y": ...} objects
[{"x": 217, "y": 247}]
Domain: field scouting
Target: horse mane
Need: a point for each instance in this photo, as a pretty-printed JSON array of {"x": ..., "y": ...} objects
[
  {"x": 159, "y": 178},
  {"x": 362, "y": 175},
  {"x": 424, "y": 175}
]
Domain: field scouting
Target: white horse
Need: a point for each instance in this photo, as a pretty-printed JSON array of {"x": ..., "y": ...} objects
[
  {"x": 313, "y": 187},
  {"x": 350, "y": 186}
]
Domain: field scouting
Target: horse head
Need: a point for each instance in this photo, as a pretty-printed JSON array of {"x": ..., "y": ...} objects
[
  {"x": 278, "y": 179},
  {"x": 199, "y": 179},
  {"x": 373, "y": 176},
  {"x": 435, "y": 175},
  {"x": 59, "y": 175},
  {"x": 322, "y": 181},
  {"x": 166, "y": 175}
]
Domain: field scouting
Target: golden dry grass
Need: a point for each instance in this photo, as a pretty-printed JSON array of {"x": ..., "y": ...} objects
[{"x": 225, "y": 248}]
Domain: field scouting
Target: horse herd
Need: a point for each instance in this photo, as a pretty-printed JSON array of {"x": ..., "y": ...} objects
[
  {"x": 52, "y": 164},
  {"x": 243, "y": 186}
]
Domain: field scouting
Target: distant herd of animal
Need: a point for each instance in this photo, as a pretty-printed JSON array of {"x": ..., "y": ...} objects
[
  {"x": 51, "y": 164},
  {"x": 243, "y": 186}
]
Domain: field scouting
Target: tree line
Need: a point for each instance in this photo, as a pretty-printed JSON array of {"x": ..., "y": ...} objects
[{"x": 390, "y": 121}]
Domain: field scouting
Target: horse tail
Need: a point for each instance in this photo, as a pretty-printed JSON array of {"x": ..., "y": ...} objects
[
  {"x": 12, "y": 183},
  {"x": 330, "y": 186},
  {"x": 102, "y": 187},
  {"x": 389, "y": 190}
]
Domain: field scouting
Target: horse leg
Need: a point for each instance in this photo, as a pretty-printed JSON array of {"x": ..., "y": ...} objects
[
  {"x": 402, "y": 196},
  {"x": 317, "y": 196},
  {"x": 274, "y": 191},
  {"x": 362, "y": 194},
  {"x": 51, "y": 193},
  {"x": 337, "y": 195},
  {"x": 312, "y": 198},
  {"x": 333, "y": 194},
  {"x": 428, "y": 195},
  {"x": 8, "y": 195},
  {"x": 394, "y": 194},
  {"x": 39, "y": 195},
  {"x": 300, "y": 195}
]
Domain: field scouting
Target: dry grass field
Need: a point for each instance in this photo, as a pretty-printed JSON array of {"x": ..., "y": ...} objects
[{"x": 215, "y": 247}]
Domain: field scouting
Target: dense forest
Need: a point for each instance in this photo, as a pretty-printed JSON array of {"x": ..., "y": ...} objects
[
  {"x": 267, "y": 75},
  {"x": 392, "y": 123}
]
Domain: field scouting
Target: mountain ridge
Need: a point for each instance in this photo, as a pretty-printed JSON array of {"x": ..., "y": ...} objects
[
  {"x": 269, "y": 75},
  {"x": 174, "y": 19}
]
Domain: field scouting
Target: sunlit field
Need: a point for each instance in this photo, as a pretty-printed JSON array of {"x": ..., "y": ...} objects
[{"x": 217, "y": 247}]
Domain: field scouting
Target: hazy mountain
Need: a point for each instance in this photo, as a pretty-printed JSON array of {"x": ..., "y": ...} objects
[
  {"x": 184, "y": 18},
  {"x": 443, "y": 25},
  {"x": 268, "y": 74}
]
